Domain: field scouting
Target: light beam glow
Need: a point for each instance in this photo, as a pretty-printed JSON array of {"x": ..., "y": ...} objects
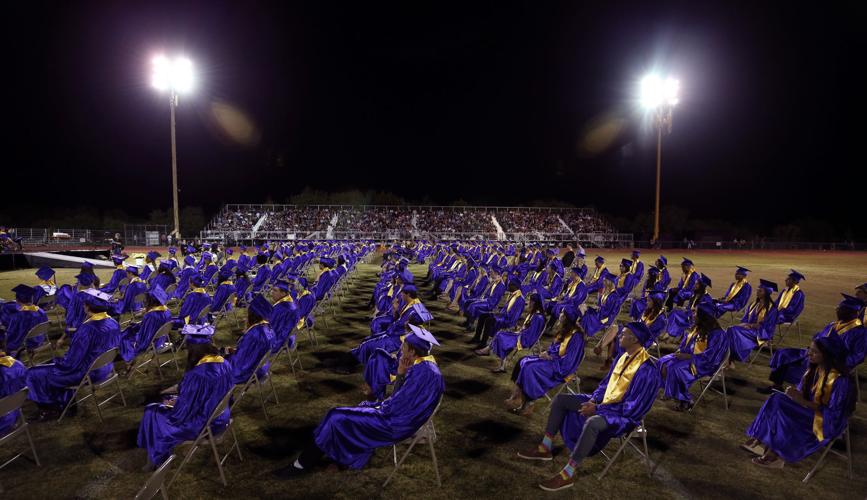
[
  {"x": 656, "y": 92},
  {"x": 172, "y": 74}
]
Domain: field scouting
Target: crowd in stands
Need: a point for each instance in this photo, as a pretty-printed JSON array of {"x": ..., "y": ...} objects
[{"x": 442, "y": 221}]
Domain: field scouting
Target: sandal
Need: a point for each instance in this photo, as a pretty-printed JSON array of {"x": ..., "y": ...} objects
[{"x": 776, "y": 463}]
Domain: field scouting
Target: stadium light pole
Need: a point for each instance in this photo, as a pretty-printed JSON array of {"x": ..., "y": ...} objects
[
  {"x": 176, "y": 77},
  {"x": 659, "y": 96}
]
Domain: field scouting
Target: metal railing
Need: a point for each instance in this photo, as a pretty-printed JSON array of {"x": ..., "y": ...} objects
[
  {"x": 765, "y": 244},
  {"x": 62, "y": 237}
]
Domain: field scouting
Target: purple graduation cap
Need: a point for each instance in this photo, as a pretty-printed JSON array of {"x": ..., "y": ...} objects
[
  {"x": 261, "y": 307},
  {"x": 94, "y": 297},
  {"x": 159, "y": 294},
  {"x": 198, "y": 334},
  {"x": 24, "y": 293},
  {"x": 44, "y": 273},
  {"x": 422, "y": 312},
  {"x": 421, "y": 338}
]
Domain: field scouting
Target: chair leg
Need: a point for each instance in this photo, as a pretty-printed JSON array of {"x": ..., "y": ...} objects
[
  {"x": 646, "y": 453},
  {"x": 848, "y": 454},
  {"x": 187, "y": 458},
  {"x": 96, "y": 402},
  {"x": 402, "y": 458},
  {"x": 725, "y": 392},
  {"x": 273, "y": 390},
  {"x": 120, "y": 391},
  {"x": 38, "y": 463},
  {"x": 611, "y": 461},
  {"x": 818, "y": 463},
  {"x": 237, "y": 444},
  {"x": 217, "y": 457},
  {"x": 433, "y": 454}
]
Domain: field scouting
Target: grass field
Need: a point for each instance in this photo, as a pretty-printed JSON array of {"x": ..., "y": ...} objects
[{"x": 697, "y": 454}]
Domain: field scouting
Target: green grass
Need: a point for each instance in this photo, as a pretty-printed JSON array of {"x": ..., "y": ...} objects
[{"x": 697, "y": 454}]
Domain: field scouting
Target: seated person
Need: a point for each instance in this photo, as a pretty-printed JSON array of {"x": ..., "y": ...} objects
[
  {"x": 182, "y": 416},
  {"x": 164, "y": 277},
  {"x": 196, "y": 300},
  {"x": 47, "y": 283},
  {"x": 508, "y": 315},
  {"x": 138, "y": 336},
  {"x": 790, "y": 302},
  {"x": 348, "y": 436},
  {"x": 653, "y": 316},
  {"x": 20, "y": 320},
  {"x": 595, "y": 319},
  {"x": 284, "y": 315},
  {"x": 587, "y": 422},
  {"x": 504, "y": 341},
  {"x": 381, "y": 368},
  {"x": 790, "y": 364},
  {"x": 680, "y": 320},
  {"x": 791, "y": 426},
  {"x": 737, "y": 295},
  {"x": 535, "y": 375},
  {"x": 758, "y": 324},
  {"x": 574, "y": 294},
  {"x": 683, "y": 291},
  {"x": 118, "y": 275},
  {"x": 700, "y": 354},
  {"x": 488, "y": 300},
  {"x": 12, "y": 380},
  {"x": 253, "y": 344},
  {"x": 75, "y": 313},
  {"x": 97, "y": 334},
  {"x": 135, "y": 287}
]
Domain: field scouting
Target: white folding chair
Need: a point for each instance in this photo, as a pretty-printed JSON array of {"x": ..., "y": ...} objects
[
  {"x": 634, "y": 434},
  {"x": 9, "y": 404},
  {"x": 152, "y": 354},
  {"x": 719, "y": 374},
  {"x": 207, "y": 436},
  {"x": 156, "y": 483},
  {"x": 847, "y": 456},
  {"x": 259, "y": 383},
  {"x": 427, "y": 432},
  {"x": 103, "y": 360},
  {"x": 37, "y": 331}
]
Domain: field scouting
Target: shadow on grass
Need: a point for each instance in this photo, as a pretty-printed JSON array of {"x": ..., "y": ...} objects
[
  {"x": 103, "y": 440},
  {"x": 283, "y": 442},
  {"x": 495, "y": 432}
]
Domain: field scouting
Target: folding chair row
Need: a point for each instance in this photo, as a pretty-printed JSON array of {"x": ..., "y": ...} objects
[{"x": 9, "y": 404}]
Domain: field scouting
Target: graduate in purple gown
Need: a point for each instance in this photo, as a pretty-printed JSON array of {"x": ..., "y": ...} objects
[
  {"x": 680, "y": 320},
  {"x": 75, "y": 313},
  {"x": 390, "y": 338},
  {"x": 490, "y": 298},
  {"x": 164, "y": 277},
  {"x": 637, "y": 267},
  {"x": 380, "y": 370},
  {"x": 138, "y": 336},
  {"x": 651, "y": 285},
  {"x": 595, "y": 282},
  {"x": 195, "y": 301},
  {"x": 626, "y": 281},
  {"x": 790, "y": 302},
  {"x": 789, "y": 364},
  {"x": 700, "y": 354},
  {"x": 254, "y": 343},
  {"x": 20, "y": 320},
  {"x": 348, "y": 436},
  {"x": 134, "y": 288},
  {"x": 586, "y": 422},
  {"x": 505, "y": 341},
  {"x": 535, "y": 375},
  {"x": 551, "y": 286},
  {"x": 793, "y": 425},
  {"x": 225, "y": 288},
  {"x": 47, "y": 284},
  {"x": 737, "y": 295},
  {"x": 664, "y": 275},
  {"x": 96, "y": 335},
  {"x": 284, "y": 315},
  {"x": 327, "y": 278},
  {"x": 306, "y": 301},
  {"x": 686, "y": 286},
  {"x": 12, "y": 379},
  {"x": 596, "y": 319},
  {"x": 574, "y": 294},
  {"x": 118, "y": 275},
  {"x": 506, "y": 317},
  {"x": 183, "y": 283},
  {"x": 653, "y": 317},
  {"x": 758, "y": 324},
  {"x": 181, "y": 417}
]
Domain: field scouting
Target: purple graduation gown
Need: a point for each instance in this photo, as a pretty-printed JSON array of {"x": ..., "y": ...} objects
[
  {"x": 505, "y": 342},
  {"x": 793, "y": 309},
  {"x": 199, "y": 392},
  {"x": 349, "y": 435},
  {"x": 794, "y": 363},
  {"x": 255, "y": 342},
  {"x": 137, "y": 337},
  {"x": 48, "y": 383},
  {"x": 595, "y": 320},
  {"x": 743, "y": 339},
  {"x": 786, "y": 427},
  {"x": 12, "y": 380},
  {"x": 19, "y": 323},
  {"x": 116, "y": 277},
  {"x": 536, "y": 375},
  {"x": 681, "y": 374},
  {"x": 737, "y": 302},
  {"x": 284, "y": 318},
  {"x": 193, "y": 304},
  {"x": 127, "y": 303},
  {"x": 622, "y": 416}
]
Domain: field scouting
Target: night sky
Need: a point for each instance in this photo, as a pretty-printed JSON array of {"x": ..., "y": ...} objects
[{"x": 491, "y": 102}]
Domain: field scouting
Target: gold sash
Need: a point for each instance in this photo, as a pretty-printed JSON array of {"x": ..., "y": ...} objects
[
  {"x": 822, "y": 396},
  {"x": 97, "y": 317},
  {"x": 513, "y": 298},
  {"x": 734, "y": 289},
  {"x": 211, "y": 359},
  {"x": 621, "y": 377},
  {"x": 7, "y": 361},
  {"x": 786, "y": 297}
]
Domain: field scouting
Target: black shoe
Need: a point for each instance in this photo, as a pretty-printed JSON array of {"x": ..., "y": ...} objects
[
  {"x": 288, "y": 472},
  {"x": 769, "y": 389}
]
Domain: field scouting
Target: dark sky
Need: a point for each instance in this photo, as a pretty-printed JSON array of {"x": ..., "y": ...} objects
[{"x": 487, "y": 101}]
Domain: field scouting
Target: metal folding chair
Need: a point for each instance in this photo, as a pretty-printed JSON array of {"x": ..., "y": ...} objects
[
  {"x": 847, "y": 456},
  {"x": 48, "y": 303},
  {"x": 565, "y": 385},
  {"x": 719, "y": 374},
  {"x": 9, "y": 404},
  {"x": 104, "y": 359},
  {"x": 152, "y": 354},
  {"x": 259, "y": 383},
  {"x": 636, "y": 433},
  {"x": 156, "y": 483},
  {"x": 428, "y": 432},
  {"x": 206, "y": 436},
  {"x": 292, "y": 353},
  {"x": 38, "y": 330},
  {"x": 784, "y": 328}
]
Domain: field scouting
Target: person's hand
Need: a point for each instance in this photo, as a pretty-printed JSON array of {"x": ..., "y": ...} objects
[
  {"x": 597, "y": 350},
  {"x": 545, "y": 355},
  {"x": 794, "y": 394},
  {"x": 403, "y": 366},
  {"x": 682, "y": 356},
  {"x": 231, "y": 350},
  {"x": 588, "y": 409}
]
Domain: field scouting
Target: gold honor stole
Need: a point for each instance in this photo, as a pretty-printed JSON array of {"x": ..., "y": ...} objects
[
  {"x": 158, "y": 309},
  {"x": 571, "y": 290},
  {"x": 621, "y": 280},
  {"x": 7, "y": 361},
  {"x": 564, "y": 344},
  {"x": 303, "y": 321},
  {"x": 842, "y": 328},
  {"x": 513, "y": 298},
  {"x": 634, "y": 265},
  {"x": 408, "y": 305},
  {"x": 97, "y": 317},
  {"x": 621, "y": 377},
  {"x": 254, "y": 325},
  {"x": 787, "y": 295},
  {"x": 598, "y": 272},
  {"x": 28, "y": 308},
  {"x": 822, "y": 396},
  {"x": 697, "y": 348},
  {"x": 430, "y": 358},
  {"x": 525, "y": 325},
  {"x": 734, "y": 289},
  {"x": 686, "y": 277},
  {"x": 211, "y": 359},
  {"x": 287, "y": 298}
]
